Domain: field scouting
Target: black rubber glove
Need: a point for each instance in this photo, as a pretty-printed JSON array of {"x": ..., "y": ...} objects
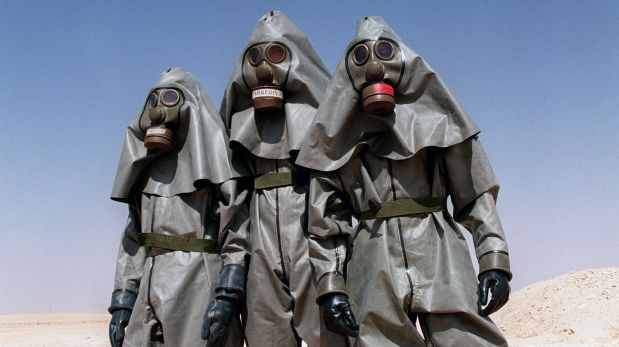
[
  {"x": 225, "y": 305},
  {"x": 120, "y": 320},
  {"x": 120, "y": 308},
  {"x": 497, "y": 283},
  {"x": 338, "y": 316}
]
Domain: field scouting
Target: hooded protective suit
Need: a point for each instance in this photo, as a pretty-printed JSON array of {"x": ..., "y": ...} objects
[
  {"x": 406, "y": 259},
  {"x": 280, "y": 62},
  {"x": 179, "y": 199}
]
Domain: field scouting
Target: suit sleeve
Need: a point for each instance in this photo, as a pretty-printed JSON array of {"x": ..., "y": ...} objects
[
  {"x": 329, "y": 227},
  {"x": 131, "y": 255},
  {"x": 233, "y": 211},
  {"x": 473, "y": 188}
]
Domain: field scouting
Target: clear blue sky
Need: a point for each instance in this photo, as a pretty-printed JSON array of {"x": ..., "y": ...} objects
[{"x": 540, "y": 78}]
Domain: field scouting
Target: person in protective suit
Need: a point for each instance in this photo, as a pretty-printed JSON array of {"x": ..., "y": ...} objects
[
  {"x": 268, "y": 105},
  {"x": 390, "y": 144},
  {"x": 185, "y": 206}
]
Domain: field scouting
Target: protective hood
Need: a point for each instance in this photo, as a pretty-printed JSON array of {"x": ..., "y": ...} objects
[
  {"x": 200, "y": 146},
  {"x": 302, "y": 78},
  {"x": 425, "y": 114}
]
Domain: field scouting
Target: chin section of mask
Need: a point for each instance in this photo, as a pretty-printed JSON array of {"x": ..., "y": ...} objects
[
  {"x": 378, "y": 98},
  {"x": 267, "y": 98},
  {"x": 158, "y": 139}
]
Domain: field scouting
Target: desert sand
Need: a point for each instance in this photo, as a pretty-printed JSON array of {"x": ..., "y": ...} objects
[
  {"x": 71, "y": 329},
  {"x": 576, "y": 309}
]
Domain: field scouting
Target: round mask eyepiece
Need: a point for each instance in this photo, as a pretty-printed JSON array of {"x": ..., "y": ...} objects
[
  {"x": 152, "y": 100},
  {"x": 276, "y": 53},
  {"x": 170, "y": 97},
  {"x": 254, "y": 56},
  {"x": 384, "y": 50},
  {"x": 360, "y": 54}
]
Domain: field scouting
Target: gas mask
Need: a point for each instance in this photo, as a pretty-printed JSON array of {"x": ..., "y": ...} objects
[
  {"x": 160, "y": 118},
  {"x": 265, "y": 72},
  {"x": 375, "y": 67}
]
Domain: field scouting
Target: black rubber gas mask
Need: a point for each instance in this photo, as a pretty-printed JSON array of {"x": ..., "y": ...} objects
[
  {"x": 265, "y": 71},
  {"x": 375, "y": 68},
  {"x": 160, "y": 118}
]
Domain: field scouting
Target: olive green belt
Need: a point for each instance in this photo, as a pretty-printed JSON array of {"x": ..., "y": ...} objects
[
  {"x": 280, "y": 179},
  {"x": 404, "y": 207},
  {"x": 159, "y": 244}
]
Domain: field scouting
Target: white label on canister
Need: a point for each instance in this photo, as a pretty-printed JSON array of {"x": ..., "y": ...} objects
[
  {"x": 155, "y": 131},
  {"x": 267, "y": 92}
]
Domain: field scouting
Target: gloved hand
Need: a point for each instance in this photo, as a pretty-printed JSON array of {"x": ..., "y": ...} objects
[
  {"x": 224, "y": 306},
  {"x": 120, "y": 308},
  {"x": 217, "y": 319},
  {"x": 120, "y": 320},
  {"x": 337, "y": 315},
  {"x": 497, "y": 283}
]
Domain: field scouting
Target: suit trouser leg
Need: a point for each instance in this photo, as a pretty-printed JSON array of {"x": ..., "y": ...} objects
[
  {"x": 459, "y": 329},
  {"x": 269, "y": 308}
]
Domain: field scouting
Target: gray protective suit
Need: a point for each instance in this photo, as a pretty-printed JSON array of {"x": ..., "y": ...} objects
[
  {"x": 400, "y": 266},
  {"x": 185, "y": 192},
  {"x": 280, "y": 289}
]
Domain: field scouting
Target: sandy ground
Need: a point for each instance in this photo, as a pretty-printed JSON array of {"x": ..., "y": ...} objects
[
  {"x": 55, "y": 329},
  {"x": 576, "y": 309}
]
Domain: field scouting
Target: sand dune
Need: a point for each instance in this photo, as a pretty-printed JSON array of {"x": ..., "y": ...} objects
[
  {"x": 576, "y": 309},
  {"x": 579, "y": 308}
]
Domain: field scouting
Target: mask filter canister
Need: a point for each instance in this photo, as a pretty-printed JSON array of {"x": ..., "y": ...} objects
[
  {"x": 378, "y": 98},
  {"x": 267, "y": 98},
  {"x": 158, "y": 139}
]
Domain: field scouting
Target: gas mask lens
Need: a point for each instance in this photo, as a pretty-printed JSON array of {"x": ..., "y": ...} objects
[
  {"x": 156, "y": 114},
  {"x": 384, "y": 50},
  {"x": 254, "y": 56},
  {"x": 360, "y": 54},
  {"x": 170, "y": 97},
  {"x": 276, "y": 53},
  {"x": 152, "y": 100}
]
